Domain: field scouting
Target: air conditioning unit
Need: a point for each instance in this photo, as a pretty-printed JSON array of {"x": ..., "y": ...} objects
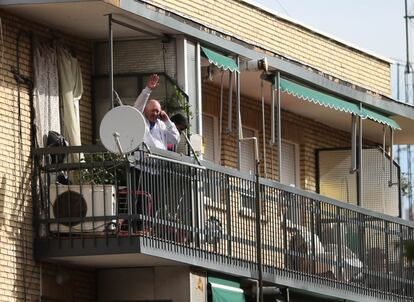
[{"x": 86, "y": 208}]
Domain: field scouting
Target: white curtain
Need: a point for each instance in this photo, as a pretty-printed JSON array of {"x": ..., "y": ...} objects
[
  {"x": 45, "y": 92},
  {"x": 71, "y": 88}
]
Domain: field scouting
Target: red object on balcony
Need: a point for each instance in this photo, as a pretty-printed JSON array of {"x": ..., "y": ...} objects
[{"x": 141, "y": 205}]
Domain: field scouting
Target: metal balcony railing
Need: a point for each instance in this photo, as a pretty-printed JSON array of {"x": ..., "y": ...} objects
[{"x": 208, "y": 213}]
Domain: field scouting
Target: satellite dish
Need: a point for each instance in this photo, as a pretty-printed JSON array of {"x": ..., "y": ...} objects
[{"x": 122, "y": 129}]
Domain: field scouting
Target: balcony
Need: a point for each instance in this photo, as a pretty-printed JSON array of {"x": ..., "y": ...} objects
[{"x": 109, "y": 211}]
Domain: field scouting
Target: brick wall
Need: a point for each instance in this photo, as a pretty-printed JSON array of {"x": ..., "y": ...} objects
[
  {"x": 308, "y": 134},
  {"x": 19, "y": 273},
  {"x": 253, "y": 25}
]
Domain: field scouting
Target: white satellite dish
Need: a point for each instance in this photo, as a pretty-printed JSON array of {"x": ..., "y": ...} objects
[{"x": 122, "y": 129}]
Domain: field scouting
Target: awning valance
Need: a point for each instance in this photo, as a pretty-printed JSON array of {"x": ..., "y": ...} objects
[
  {"x": 225, "y": 290},
  {"x": 379, "y": 118},
  {"x": 220, "y": 61},
  {"x": 320, "y": 98}
]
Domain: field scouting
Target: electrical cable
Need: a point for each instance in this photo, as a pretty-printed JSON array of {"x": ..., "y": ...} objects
[
  {"x": 283, "y": 8},
  {"x": 2, "y": 49},
  {"x": 20, "y": 158},
  {"x": 22, "y": 80}
]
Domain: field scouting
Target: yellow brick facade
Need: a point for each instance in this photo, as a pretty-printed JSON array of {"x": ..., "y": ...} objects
[
  {"x": 19, "y": 273},
  {"x": 260, "y": 28}
]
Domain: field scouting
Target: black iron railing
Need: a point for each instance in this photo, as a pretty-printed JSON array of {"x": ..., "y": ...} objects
[{"x": 208, "y": 213}]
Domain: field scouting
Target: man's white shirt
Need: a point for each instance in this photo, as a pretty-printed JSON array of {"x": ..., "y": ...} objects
[{"x": 161, "y": 133}]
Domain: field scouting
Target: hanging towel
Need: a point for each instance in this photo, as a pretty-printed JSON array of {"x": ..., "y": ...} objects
[{"x": 71, "y": 89}]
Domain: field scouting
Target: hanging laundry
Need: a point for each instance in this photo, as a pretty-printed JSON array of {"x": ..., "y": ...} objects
[
  {"x": 71, "y": 89},
  {"x": 45, "y": 91}
]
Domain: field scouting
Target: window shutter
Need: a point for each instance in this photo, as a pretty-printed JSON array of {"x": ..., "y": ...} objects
[
  {"x": 208, "y": 138},
  {"x": 247, "y": 160},
  {"x": 289, "y": 167}
]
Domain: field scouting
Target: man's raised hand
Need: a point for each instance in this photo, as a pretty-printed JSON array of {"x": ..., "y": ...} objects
[{"x": 153, "y": 81}]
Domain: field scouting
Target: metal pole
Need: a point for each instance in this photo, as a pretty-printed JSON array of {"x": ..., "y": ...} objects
[
  {"x": 359, "y": 160},
  {"x": 230, "y": 111},
  {"x": 279, "y": 127},
  {"x": 407, "y": 66},
  {"x": 199, "y": 96},
  {"x": 258, "y": 227},
  {"x": 111, "y": 61},
  {"x": 272, "y": 112},
  {"x": 391, "y": 182},
  {"x": 353, "y": 144},
  {"x": 263, "y": 129},
  {"x": 239, "y": 130}
]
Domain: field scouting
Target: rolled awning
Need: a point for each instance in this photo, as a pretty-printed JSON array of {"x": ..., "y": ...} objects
[
  {"x": 220, "y": 61},
  {"x": 225, "y": 291},
  {"x": 320, "y": 98}
]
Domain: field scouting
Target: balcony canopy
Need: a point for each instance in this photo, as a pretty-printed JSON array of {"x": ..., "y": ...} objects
[
  {"x": 220, "y": 61},
  {"x": 225, "y": 290},
  {"x": 320, "y": 98}
]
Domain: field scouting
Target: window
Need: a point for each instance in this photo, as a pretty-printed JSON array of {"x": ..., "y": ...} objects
[
  {"x": 247, "y": 157},
  {"x": 290, "y": 164},
  {"x": 247, "y": 203}
]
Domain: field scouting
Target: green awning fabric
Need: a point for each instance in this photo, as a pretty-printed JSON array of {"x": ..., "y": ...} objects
[
  {"x": 379, "y": 118},
  {"x": 225, "y": 290},
  {"x": 220, "y": 61},
  {"x": 316, "y": 97}
]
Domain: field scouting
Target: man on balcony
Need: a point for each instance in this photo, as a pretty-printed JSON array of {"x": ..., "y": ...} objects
[{"x": 159, "y": 130}]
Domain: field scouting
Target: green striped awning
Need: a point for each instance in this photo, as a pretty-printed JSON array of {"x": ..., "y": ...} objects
[
  {"x": 220, "y": 61},
  {"x": 225, "y": 291},
  {"x": 320, "y": 98},
  {"x": 379, "y": 118}
]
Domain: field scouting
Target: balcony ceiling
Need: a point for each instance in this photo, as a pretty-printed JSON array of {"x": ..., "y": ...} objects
[
  {"x": 114, "y": 260},
  {"x": 87, "y": 19}
]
